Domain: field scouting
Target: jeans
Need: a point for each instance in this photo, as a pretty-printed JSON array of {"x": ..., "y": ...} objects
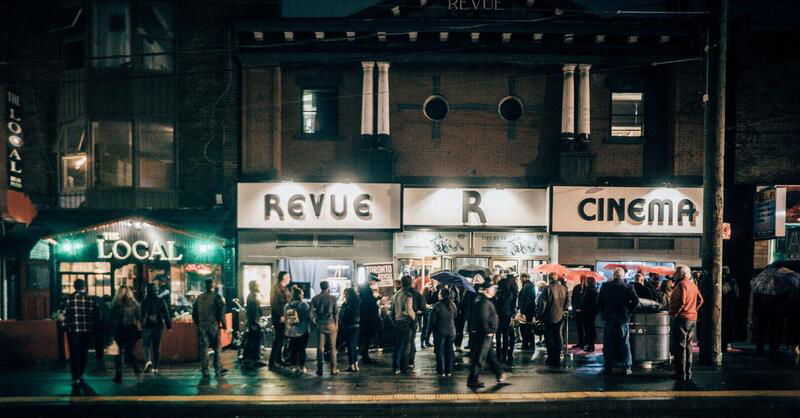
[
  {"x": 208, "y": 336},
  {"x": 151, "y": 344},
  {"x": 404, "y": 339},
  {"x": 526, "y": 331},
  {"x": 78, "y": 352},
  {"x": 98, "y": 331},
  {"x": 425, "y": 335},
  {"x": 505, "y": 340},
  {"x": 443, "y": 346},
  {"x": 297, "y": 350},
  {"x": 681, "y": 334},
  {"x": 276, "y": 355},
  {"x": 616, "y": 343},
  {"x": 350, "y": 336},
  {"x": 589, "y": 331},
  {"x": 461, "y": 320},
  {"x": 327, "y": 332},
  {"x": 554, "y": 342},
  {"x": 580, "y": 319},
  {"x": 480, "y": 353},
  {"x": 365, "y": 335}
]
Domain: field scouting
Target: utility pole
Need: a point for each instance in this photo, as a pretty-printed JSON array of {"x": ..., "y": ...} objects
[{"x": 713, "y": 184}]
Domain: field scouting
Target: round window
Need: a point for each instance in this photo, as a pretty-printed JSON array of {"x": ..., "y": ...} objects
[
  {"x": 511, "y": 108},
  {"x": 436, "y": 107}
]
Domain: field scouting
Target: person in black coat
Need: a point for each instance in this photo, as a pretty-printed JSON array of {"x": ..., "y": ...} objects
[
  {"x": 370, "y": 320},
  {"x": 443, "y": 326},
  {"x": 506, "y": 305},
  {"x": 588, "y": 309},
  {"x": 575, "y": 300},
  {"x": 155, "y": 315},
  {"x": 483, "y": 321},
  {"x": 527, "y": 307},
  {"x": 642, "y": 290},
  {"x": 349, "y": 324}
]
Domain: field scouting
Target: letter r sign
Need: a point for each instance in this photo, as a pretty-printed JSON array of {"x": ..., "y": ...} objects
[{"x": 470, "y": 202}]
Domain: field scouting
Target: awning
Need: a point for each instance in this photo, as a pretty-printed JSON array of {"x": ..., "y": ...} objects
[{"x": 17, "y": 207}]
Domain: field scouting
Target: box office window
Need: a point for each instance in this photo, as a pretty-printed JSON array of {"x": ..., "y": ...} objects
[
  {"x": 627, "y": 114},
  {"x": 320, "y": 113}
]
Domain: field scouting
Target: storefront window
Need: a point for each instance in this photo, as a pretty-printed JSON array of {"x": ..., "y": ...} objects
[
  {"x": 96, "y": 275},
  {"x": 156, "y": 156},
  {"x": 155, "y": 30},
  {"x": 261, "y": 273},
  {"x": 111, "y": 34},
  {"x": 113, "y": 149}
]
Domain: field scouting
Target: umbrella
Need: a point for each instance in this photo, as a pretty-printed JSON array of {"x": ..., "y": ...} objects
[
  {"x": 552, "y": 268},
  {"x": 576, "y": 275},
  {"x": 453, "y": 279},
  {"x": 471, "y": 270},
  {"x": 775, "y": 281}
]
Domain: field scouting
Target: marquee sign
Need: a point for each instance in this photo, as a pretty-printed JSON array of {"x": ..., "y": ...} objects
[
  {"x": 318, "y": 206},
  {"x": 628, "y": 210},
  {"x": 511, "y": 244},
  {"x": 487, "y": 207}
]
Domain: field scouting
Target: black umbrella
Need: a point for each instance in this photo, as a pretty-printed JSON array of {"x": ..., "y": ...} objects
[
  {"x": 775, "y": 281},
  {"x": 471, "y": 270},
  {"x": 453, "y": 279}
]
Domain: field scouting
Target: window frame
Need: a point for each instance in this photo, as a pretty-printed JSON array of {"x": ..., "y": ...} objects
[
  {"x": 319, "y": 136},
  {"x": 626, "y": 140}
]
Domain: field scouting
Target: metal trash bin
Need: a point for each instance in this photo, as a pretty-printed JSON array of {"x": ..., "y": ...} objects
[{"x": 649, "y": 338}]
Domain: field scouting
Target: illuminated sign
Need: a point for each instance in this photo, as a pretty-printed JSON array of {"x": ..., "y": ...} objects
[
  {"x": 489, "y": 207},
  {"x": 110, "y": 246}
]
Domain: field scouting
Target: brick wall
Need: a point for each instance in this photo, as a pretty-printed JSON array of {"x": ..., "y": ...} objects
[
  {"x": 473, "y": 140},
  {"x": 766, "y": 122},
  {"x": 207, "y": 128}
]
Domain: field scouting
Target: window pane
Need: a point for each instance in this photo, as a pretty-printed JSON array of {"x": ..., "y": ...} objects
[
  {"x": 111, "y": 34},
  {"x": 113, "y": 166},
  {"x": 627, "y": 114},
  {"x": 156, "y": 156},
  {"x": 320, "y": 111},
  {"x": 74, "y": 170},
  {"x": 157, "y": 36}
]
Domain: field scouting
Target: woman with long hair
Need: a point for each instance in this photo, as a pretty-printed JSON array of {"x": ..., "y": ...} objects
[
  {"x": 298, "y": 326},
  {"x": 125, "y": 314},
  {"x": 588, "y": 306},
  {"x": 443, "y": 323},
  {"x": 349, "y": 319}
]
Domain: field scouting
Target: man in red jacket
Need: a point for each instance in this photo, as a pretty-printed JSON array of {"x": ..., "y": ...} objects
[{"x": 683, "y": 306}]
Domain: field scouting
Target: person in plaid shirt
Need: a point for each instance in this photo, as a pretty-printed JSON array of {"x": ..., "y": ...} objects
[{"x": 80, "y": 313}]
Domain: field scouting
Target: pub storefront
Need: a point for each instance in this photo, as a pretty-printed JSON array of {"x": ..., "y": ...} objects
[
  {"x": 504, "y": 230},
  {"x": 136, "y": 251}
]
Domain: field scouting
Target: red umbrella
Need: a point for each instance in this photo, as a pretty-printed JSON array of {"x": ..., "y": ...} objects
[
  {"x": 577, "y": 274},
  {"x": 552, "y": 268}
]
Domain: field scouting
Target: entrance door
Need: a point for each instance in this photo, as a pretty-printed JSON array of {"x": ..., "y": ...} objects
[{"x": 504, "y": 266}]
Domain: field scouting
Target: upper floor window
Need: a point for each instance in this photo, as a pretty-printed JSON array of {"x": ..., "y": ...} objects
[
  {"x": 627, "y": 114},
  {"x": 320, "y": 113},
  {"x": 118, "y": 36},
  {"x": 74, "y": 164},
  {"x": 113, "y": 149}
]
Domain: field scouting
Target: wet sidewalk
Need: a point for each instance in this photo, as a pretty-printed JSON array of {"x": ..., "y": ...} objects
[{"x": 582, "y": 372}]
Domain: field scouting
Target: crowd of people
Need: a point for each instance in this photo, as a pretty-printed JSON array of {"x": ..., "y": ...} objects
[{"x": 491, "y": 312}]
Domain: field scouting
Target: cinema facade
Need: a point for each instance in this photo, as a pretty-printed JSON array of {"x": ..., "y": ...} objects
[{"x": 341, "y": 232}]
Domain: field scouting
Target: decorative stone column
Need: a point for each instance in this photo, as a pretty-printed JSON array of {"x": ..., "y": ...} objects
[
  {"x": 584, "y": 127},
  {"x": 383, "y": 105},
  {"x": 367, "y": 104},
  {"x": 568, "y": 105}
]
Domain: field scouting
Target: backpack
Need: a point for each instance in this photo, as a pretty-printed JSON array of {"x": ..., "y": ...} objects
[{"x": 292, "y": 317}]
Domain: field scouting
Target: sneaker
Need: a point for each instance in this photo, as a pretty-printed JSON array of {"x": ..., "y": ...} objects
[
  {"x": 335, "y": 372},
  {"x": 148, "y": 367},
  {"x": 222, "y": 372},
  {"x": 319, "y": 373},
  {"x": 628, "y": 372},
  {"x": 395, "y": 371},
  {"x": 155, "y": 371},
  {"x": 448, "y": 375},
  {"x": 502, "y": 377}
]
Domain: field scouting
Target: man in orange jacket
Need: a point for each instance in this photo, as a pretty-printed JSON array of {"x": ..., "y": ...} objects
[{"x": 683, "y": 306}]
